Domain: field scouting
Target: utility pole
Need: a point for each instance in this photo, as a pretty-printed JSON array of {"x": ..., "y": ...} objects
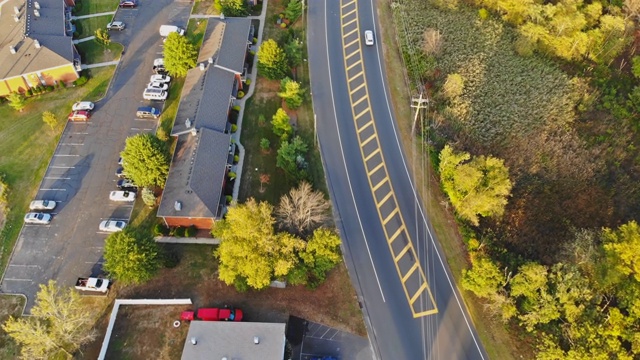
[{"x": 418, "y": 103}]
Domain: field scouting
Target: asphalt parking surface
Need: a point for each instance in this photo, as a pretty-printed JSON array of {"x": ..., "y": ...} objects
[
  {"x": 82, "y": 171},
  {"x": 312, "y": 341}
]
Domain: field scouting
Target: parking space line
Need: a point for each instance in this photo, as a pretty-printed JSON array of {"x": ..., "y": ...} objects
[
  {"x": 23, "y": 265},
  {"x": 80, "y": 133},
  {"x": 72, "y": 144},
  {"x": 12, "y": 279},
  {"x": 47, "y": 189},
  {"x": 56, "y": 178},
  {"x": 64, "y": 155},
  {"x": 62, "y": 167}
]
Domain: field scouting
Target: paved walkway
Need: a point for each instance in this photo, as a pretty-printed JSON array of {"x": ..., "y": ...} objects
[
  {"x": 242, "y": 102},
  {"x": 93, "y": 15},
  {"x": 108, "y": 63},
  {"x": 84, "y": 39}
]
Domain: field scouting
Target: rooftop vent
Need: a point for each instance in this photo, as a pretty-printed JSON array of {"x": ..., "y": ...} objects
[
  {"x": 256, "y": 340},
  {"x": 194, "y": 341},
  {"x": 36, "y": 5},
  {"x": 202, "y": 66},
  {"x": 36, "y": 43},
  {"x": 12, "y": 49},
  {"x": 177, "y": 205},
  {"x": 36, "y": 13}
]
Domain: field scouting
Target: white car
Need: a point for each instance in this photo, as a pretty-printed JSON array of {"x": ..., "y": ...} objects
[
  {"x": 37, "y": 218},
  {"x": 368, "y": 37},
  {"x": 160, "y": 78},
  {"x": 42, "y": 205},
  {"x": 158, "y": 62},
  {"x": 83, "y": 105},
  {"x": 116, "y": 25},
  {"x": 120, "y": 195},
  {"x": 112, "y": 225},
  {"x": 157, "y": 85}
]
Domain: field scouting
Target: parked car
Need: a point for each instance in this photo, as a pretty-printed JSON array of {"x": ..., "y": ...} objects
[
  {"x": 120, "y": 161},
  {"x": 158, "y": 62},
  {"x": 148, "y": 112},
  {"x": 126, "y": 184},
  {"x": 112, "y": 225},
  {"x": 160, "y": 70},
  {"x": 79, "y": 115},
  {"x": 216, "y": 314},
  {"x": 42, "y": 205},
  {"x": 120, "y": 173},
  {"x": 83, "y": 105},
  {"x": 368, "y": 37},
  {"x": 120, "y": 195},
  {"x": 128, "y": 3},
  {"x": 116, "y": 25},
  {"x": 37, "y": 218},
  {"x": 93, "y": 284},
  {"x": 157, "y": 85},
  {"x": 160, "y": 78}
]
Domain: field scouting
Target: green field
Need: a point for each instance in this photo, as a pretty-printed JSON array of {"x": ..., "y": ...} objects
[
  {"x": 92, "y": 52},
  {"x": 86, "y": 7},
  {"x": 27, "y": 144},
  {"x": 87, "y": 27}
]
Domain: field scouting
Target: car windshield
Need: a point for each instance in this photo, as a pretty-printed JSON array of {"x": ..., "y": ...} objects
[
  {"x": 119, "y": 224},
  {"x": 40, "y": 216},
  {"x": 45, "y": 203}
]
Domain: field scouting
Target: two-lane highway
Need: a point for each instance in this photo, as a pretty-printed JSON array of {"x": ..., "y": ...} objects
[{"x": 412, "y": 308}]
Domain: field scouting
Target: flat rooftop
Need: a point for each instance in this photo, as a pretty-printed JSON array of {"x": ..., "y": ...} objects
[{"x": 234, "y": 340}]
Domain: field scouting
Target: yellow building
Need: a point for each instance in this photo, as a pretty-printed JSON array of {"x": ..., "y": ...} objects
[{"x": 36, "y": 46}]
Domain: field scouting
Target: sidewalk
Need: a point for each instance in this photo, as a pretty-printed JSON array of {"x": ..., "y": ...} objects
[
  {"x": 92, "y": 15},
  {"x": 84, "y": 39},
  {"x": 108, "y": 63}
]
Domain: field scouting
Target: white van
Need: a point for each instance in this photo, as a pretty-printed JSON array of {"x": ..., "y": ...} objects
[
  {"x": 155, "y": 94},
  {"x": 165, "y": 30}
]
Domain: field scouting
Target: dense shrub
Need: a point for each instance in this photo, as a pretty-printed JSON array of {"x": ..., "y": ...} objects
[
  {"x": 191, "y": 231},
  {"x": 80, "y": 81},
  {"x": 179, "y": 231},
  {"x": 160, "y": 230}
]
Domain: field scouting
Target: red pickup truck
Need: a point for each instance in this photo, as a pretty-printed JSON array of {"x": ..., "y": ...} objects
[{"x": 215, "y": 314}]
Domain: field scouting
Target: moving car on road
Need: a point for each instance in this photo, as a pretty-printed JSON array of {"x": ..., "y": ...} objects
[
  {"x": 121, "y": 195},
  {"x": 112, "y": 225},
  {"x": 368, "y": 37},
  {"x": 37, "y": 218},
  {"x": 79, "y": 115},
  {"x": 116, "y": 25},
  {"x": 83, "y": 105},
  {"x": 42, "y": 205}
]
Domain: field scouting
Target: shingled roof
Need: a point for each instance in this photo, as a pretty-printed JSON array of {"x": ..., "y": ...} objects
[
  {"x": 233, "y": 50},
  {"x": 55, "y": 48}
]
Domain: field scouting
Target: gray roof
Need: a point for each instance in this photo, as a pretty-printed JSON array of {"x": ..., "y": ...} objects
[
  {"x": 56, "y": 49},
  {"x": 213, "y": 111},
  {"x": 196, "y": 175},
  {"x": 234, "y": 340},
  {"x": 233, "y": 50}
]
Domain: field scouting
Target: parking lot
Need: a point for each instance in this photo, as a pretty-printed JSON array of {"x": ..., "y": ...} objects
[{"x": 82, "y": 170}]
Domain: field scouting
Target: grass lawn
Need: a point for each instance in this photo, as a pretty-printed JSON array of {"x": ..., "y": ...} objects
[
  {"x": 204, "y": 7},
  {"x": 86, "y": 7},
  {"x": 92, "y": 52},
  {"x": 499, "y": 341},
  {"x": 21, "y": 132},
  {"x": 195, "y": 31},
  {"x": 10, "y": 305},
  {"x": 87, "y": 27}
]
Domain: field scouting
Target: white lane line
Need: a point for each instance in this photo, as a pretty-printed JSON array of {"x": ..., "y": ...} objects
[
  {"x": 415, "y": 195},
  {"x": 62, "y": 167},
  {"x": 56, "y": 178},
  {"x": 12, "y": 279},
  {"x": 72, "y": 144},
  {"x": 23, "y": 265},
  {"x": 344, "y": 161},
  {"x": 46, "y": 189},
  {"x": 64, "y": 155},
  {"x": 80, "y": 133}
]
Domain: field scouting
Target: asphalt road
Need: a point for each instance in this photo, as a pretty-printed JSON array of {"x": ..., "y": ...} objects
[
  {"x": 410, "y": 303},
  {"x": 82, "y": 170}
]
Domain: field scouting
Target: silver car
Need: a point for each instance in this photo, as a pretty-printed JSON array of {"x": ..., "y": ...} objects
[
  {"x": 42, "y": 205},
  {"x": 37, "y": 218}
]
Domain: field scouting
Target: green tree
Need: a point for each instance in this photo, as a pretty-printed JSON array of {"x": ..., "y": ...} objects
[
  {"x": 265, "y": 144},
  {"x": 293, "y": 51},
  {"x": 103, "y": 37},
  {"x": 281, "y": 125},
  {"x": 61, "y": 322},
  {"x": 302, "y": 209},
  {"x": 484, "y": 278},
  {"x": 291, "y": 158},
  {"x": 146, "y": 160},
  {"x": 476, "y": 187},
  {"x": 131, "y": 257},
  {"x": 233, "y": 8},
  {"x": 453, "y": 86},
  {"x": 622, "y": 247},
  {"x": 293, "y": 10},
  {"x": 50, "y": 119},
  {"x": 321, "y": 254},
  {"x": 16, "y": 101},
  {"x": 272, "y": 61},
  {"x": 179, "y": 55},
  {"x": 148, "y": 197},
  {"x": 291, "y": 93},
  {"x": 250, "y": 252},
  {"x": 217, "y": 6}
]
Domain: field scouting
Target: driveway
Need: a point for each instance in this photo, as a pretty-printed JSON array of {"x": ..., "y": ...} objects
[{"x": 82, "y": 170}]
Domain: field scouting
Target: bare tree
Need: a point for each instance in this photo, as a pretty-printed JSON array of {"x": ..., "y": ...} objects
[
  {"x": 632, "y": 8},
  {"x": 432, "y": 41},
  {"x": 302, "y": 210}
]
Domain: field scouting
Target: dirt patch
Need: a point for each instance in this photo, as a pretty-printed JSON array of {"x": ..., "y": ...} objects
[
  {"x": 265, "y": 89},
  {"x": 131, "y": 338}
]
